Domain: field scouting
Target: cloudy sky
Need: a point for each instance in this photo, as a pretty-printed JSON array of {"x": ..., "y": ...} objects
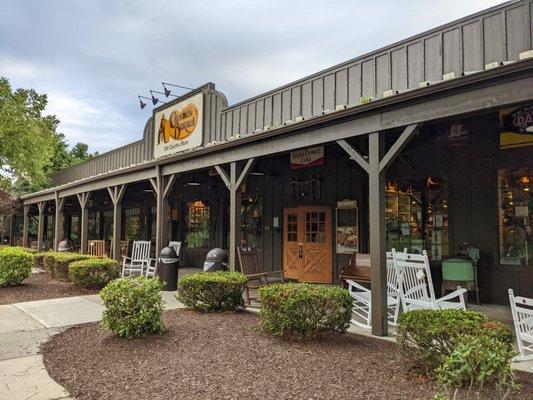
[{"x": 94, "y": 57}]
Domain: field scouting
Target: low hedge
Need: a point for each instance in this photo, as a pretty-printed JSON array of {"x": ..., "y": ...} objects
[
  {"x": 57, "y": 263},
  {"x": 133, "y": 307},
  {"x": 93, "y": 273},
  {"x": 212, "y": 291},
  {"x": 38, "y": 259},
  {"x": 304, "y": 310},
  {"x": 26, "y": 249},
  {"x": 15, "y": 266},
  {"x": 427, "y": 337}
]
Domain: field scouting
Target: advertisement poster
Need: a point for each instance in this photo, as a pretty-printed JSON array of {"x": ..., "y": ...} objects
[
  {"x": 346, "y": 239},
  {"x": 179, "y": 126}
]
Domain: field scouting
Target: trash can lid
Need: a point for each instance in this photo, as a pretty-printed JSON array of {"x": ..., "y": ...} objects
[
  {"x": 216, "y": 255},
  {"x": 64, "y": 245},
  {"x": 168, "y": 255}
]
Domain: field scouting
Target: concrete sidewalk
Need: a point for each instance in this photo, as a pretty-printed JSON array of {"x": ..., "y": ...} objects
[{"x": 24, "y": 326}]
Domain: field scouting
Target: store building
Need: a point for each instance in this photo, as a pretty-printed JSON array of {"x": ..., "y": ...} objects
[{"x": 425, "y": 144}]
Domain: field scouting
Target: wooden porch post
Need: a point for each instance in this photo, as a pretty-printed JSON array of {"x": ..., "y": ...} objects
[
  {"x": 83, "y": 199},
  {"x": 58, "y": 222},
  {"x": 116, "y": 193},
  {"x": 25, "y": 223},
  {"x": 40, "y": 229},
  {"x": 376, "y": 168},
  {"x": 233, "y": 183},
  {"x": 161, "y": 186}
]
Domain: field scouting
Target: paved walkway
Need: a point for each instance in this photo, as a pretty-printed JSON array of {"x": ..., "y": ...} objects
[{"x": 24, "y": 326}]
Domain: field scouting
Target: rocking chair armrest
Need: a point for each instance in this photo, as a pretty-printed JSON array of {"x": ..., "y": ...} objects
[
  {"x": 355, "y": 285},
  {"x": 125, "y": 260},
  {"x": 452, "y": 295}
]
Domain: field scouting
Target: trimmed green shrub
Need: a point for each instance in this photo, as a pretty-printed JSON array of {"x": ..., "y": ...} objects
[
  {"x": 304, "y": 310},
  {"x": 38, "y": 260},
  {"x": 93, "y": 273},
  {"x": 26, "y": 249},
  {"x": 57, "y": 263},
  {"x": 133, "y": 307},
  {"x": 212, "y": 291},
  {"x": 426, "y": 337},
  {"x": 480, "y": 363},
  {"x": 15, "y": 266}
]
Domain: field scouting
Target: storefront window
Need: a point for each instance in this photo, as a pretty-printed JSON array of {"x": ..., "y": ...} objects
[
  {"x": 108, "y": 224},
  {"x": 197, "y": 220},
  {"x": 251, "y": 207},
  {"x": 75, "y": 229},
  {"x": 417, "y": 216},
  {"x": 132, "y": 224},
  {"x": 515, "y": 216}
]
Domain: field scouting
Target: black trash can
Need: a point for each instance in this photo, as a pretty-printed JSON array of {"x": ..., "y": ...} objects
[
  {"x": 216, "y": 260},
  {"x": 168, "y": 268}
]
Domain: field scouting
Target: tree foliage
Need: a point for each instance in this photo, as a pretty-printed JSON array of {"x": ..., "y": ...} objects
[{"x": 30, "y": 147}]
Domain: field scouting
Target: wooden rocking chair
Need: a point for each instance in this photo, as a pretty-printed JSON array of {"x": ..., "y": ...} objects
[
  {"x": 249, "y": 263},
  {"x": 97, "y": 248}
]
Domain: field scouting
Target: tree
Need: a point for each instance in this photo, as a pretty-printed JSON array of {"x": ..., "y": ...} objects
[
  {"x": 30, "y": 148},
  {"x": 27, "y": 136}
]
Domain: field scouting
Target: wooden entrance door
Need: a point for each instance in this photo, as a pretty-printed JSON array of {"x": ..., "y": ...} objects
[{"x": 307, "y": 244}]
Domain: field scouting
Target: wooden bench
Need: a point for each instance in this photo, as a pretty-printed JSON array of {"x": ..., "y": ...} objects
[{"x": 358, "y": 270}]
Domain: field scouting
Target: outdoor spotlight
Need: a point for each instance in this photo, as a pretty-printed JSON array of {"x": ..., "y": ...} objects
[
  {"x": 142, "y": 103},
  {"x": 155, "y": 100}
]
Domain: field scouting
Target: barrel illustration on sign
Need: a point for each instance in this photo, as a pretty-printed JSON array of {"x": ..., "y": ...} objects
[{"x": 178, "y": 127}]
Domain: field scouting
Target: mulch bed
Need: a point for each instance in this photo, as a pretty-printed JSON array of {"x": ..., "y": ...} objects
[
  {"x": 40, "y": 286},
  {"x": 225, "y": 356}
]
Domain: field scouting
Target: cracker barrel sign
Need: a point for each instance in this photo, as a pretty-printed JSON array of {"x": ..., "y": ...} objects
[{"x": 178, "y": 127}]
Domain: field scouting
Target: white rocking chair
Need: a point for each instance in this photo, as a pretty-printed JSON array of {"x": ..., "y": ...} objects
[
  {"x": 140, "y": 262},
  {"x": 416, "y": 285},
  {"x": 522, "y": 309},
  {"x": 362, "y": 304}
]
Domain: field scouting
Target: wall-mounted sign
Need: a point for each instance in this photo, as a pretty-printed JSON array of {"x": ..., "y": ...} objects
[
  {"x": 179, "y": 127},
  {"x": 457, "y": 135},
  {"x": 517, "y": 127},
  {"x": 307, "y": 157}
]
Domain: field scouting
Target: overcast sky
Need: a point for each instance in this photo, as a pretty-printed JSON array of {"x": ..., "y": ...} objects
[{"x": 94, "y": 57}]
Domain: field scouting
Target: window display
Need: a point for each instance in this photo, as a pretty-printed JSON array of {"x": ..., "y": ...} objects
[
  {"x": 416, "y": 213},
  {"x": 197, "y": 234},
  {"x": 251, "y": 217},
  {"x": 347, "y": 227},
  {"x": 132, "y": 224},
  {"x": 515, "y": 216}
]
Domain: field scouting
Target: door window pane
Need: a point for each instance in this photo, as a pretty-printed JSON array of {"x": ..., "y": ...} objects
[
  {"x": 315, "y": 227},
  {"x": 292, "y": 227}
]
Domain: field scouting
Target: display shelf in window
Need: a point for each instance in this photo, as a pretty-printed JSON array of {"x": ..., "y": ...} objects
[{"x": 347, "y": 227}]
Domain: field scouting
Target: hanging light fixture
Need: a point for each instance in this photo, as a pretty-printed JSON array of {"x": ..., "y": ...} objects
[
  {"x": 142, "y": 104},
  {"x": 167, "y": 90}
]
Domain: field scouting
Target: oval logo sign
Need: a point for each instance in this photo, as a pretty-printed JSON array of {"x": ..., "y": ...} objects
[{"x": 179, "y": 125}]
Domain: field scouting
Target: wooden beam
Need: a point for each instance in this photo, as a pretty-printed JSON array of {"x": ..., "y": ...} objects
[
  {"x": 25, "y": 223},
  {"x": 354, "y": 154},
  {"x": 116, "y": 193},
  {"x": 58, "y": 220},
  {"x": 235, "y": 216},
  {"x": 398, "y": 146},
  {"x": 244, "y": 173},
  {"x": 83, "y": 199},
  {"x": 41, "y": 206},
  {"x": 223, "y": 174},
  {"x": 376, "y": 200},
  {"x": 168, "y": 186}
]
